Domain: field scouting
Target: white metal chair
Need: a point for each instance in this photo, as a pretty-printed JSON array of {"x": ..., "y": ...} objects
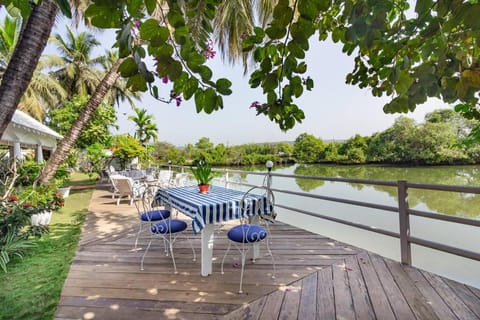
[
  {"x": 168, "y": 230},
  {"x": 127, "y": 187},
  {"x": 149, "y": 210},
  {"x": 246, "y": 234}
]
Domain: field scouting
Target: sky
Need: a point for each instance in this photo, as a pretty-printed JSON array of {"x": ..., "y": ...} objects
[{"x": 333, "y": 109}]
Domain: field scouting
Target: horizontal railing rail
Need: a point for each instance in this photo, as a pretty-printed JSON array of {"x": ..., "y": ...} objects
[{"x": 404, "y": 212}]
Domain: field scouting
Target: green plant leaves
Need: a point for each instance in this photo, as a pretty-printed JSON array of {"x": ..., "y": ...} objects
[{"x": 105, "y": 14}]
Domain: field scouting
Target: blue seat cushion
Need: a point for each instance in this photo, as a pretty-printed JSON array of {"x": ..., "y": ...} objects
[
  {"x": 246, "y": 233},
  {"x": 155, "y": 215},
  {"x": 169, "y": 226}
]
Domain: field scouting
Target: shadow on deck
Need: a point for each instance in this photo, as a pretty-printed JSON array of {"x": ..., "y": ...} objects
[{"x": 317, "y": 278}]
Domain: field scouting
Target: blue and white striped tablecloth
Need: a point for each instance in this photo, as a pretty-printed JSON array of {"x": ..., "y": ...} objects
[{"x": 219, "y": 204}]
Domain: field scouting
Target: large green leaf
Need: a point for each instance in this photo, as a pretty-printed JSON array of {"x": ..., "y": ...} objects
[
  {"x": 128, "y": 68},
  {"x": 209, "y": 100},
  {"x": 137, "y": 83},
  {"x": 308, "y": 9},
  {"x": 105, "y": 14},
  {"x": 223, "y": 86},
  {"x": 190, "y": 87},
  {"x": 270, "y": 82},
  {"x": 64, "y": 6},
  {"x": 149, "y": 29},
  {"x": 151, "y": 5}
]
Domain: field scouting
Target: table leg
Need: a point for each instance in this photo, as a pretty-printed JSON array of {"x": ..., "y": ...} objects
[{"x": 207, "y": 249}]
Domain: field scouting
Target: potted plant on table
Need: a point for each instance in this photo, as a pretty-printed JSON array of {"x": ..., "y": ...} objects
[{"x": 203, "y": 174}]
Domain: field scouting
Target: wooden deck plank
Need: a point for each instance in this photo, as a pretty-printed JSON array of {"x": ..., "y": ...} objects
[
  {"x": 380, "y": 304},
  {"x": 417, "y": 301},
  {"x": 272, "y": 306},
  {"x": 437, "y": 303},
  {"x": 399, "y": 305},
  {"x": 291, "y": 301},
  {"x": 451, "y": 299},
  {"x": 316, "y": 278},
  {"x": 307, "y": 308},
  {"x": 153, "y": 305},
  {"x": 361, "y": 301},
  {"x": 325, "y": 297},
  {"x": 342, "y": 294},
  {"x": 466, "y": 295},
  {"x": 128, "y": 314},
  {"x": 251, "y": 311}
]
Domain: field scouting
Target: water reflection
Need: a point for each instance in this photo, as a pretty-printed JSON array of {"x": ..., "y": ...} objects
[{"x": 451, "y": 203}]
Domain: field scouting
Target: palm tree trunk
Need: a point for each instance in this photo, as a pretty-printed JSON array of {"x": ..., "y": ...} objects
[
  {"x": 68, "y": 141},
  {"x": 25, "y": 58}
]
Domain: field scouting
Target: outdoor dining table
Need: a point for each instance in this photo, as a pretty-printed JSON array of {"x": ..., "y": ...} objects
[{"x": 207, "y": 209}]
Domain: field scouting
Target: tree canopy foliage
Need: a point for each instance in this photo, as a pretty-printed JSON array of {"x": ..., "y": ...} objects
[
  {"x": 438, "y": 140},
  {"x": 97, "y": 128},
  {"x": 409, "y": 55}
]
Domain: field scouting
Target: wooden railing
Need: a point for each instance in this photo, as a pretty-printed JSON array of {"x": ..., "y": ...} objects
[{"x": 403, "y": 210}]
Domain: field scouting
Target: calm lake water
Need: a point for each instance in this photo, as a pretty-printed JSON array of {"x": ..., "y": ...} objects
[{"x": 464, "y": 205}]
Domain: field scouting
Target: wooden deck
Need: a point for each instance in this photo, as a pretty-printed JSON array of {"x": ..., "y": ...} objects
[{"x": 317, "y": 278}]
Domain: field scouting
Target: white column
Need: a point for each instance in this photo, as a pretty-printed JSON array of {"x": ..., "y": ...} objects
[
  {"x": 17, "y": 151},
  {"x": 39, "y": 153}
]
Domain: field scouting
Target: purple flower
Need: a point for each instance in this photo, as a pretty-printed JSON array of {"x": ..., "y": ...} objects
[
  {"x": 136, "y": 24},
  {"x": 255, "y": 104},
  {"x": 165, "y": 79},
  {"x": 178, "y": 100}
]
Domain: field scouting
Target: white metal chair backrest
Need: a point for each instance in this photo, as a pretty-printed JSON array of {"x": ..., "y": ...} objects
[
  {"x": 265, "y": 210},
  {"x": 165, "y": 178},
  {"x": 181, "y": 179}
]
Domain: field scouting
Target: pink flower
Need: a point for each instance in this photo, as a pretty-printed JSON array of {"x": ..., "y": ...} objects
[
  {"x": 27, "y": 204},
  {"x": 136, "y": 24},
  {"x": 209, "y": 53}
]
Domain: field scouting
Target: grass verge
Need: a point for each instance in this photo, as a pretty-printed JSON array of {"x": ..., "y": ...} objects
[{"x": 32, "y": 286}]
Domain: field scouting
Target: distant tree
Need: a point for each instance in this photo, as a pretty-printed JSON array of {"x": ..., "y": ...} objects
[
  {"x": 286, "y": 149},
  {"x": 330, "y": 153},
  {"x": 146, "y": 128},
  {"x": 204, "y": 144},
  {"x": 77, "y": 70},
  {"x": 463, "y": 126},
  {"x": 436, "y": 143},
  {"x": 161, "y": 149},
  {"x": 354, "y": 149},
  {"x": 307, "y": 148},
  {"x": 126, "y": 148}
]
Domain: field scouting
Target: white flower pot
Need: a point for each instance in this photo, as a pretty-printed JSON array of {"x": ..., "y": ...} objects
[
  {"x": 65, "y": 192},
  {"x": 41, "y": 219}
]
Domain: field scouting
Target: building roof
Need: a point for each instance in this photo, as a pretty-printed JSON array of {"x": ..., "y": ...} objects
[{"x": 28, "y": 131}]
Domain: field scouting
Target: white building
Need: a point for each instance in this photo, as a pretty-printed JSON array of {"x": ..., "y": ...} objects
[{"x": 26, "y": 132}]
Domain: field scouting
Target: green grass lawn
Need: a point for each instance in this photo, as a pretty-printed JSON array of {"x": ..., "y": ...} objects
[{"x": 32, "y": 286}]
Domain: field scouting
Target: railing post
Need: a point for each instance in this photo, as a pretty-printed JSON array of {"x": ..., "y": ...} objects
[
  {"x": 226, "y": 179},
  {"x": 269, "y": 166},
  {"x": 404, "y": 222}
]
